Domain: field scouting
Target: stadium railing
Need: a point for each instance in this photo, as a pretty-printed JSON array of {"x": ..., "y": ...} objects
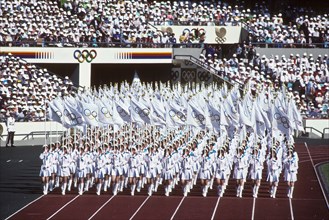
[
  {"x": 123, "y": 44},
  {"x": 290, "y": 45},
  {"x": 210, "y": 69}
]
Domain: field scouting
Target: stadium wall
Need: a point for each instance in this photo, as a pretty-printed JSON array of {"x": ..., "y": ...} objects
[{"x": 86, "y": 57}]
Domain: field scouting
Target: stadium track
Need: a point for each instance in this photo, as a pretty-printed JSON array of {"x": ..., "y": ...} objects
[{"x": 20, "y": 184}]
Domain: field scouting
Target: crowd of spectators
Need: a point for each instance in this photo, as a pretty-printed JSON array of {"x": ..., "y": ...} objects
[
  {"x": 305, "y": 77},
  {"x": 113, "y": 22},
  {"x": 25, "y": 89}
]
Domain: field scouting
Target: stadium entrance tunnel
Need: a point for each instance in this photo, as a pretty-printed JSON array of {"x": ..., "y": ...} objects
[{"x": 102, "y": 74}]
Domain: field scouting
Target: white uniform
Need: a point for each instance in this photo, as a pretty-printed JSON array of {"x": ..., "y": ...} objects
[
  {"x": 88, "y": 157},
  {"x": 205, "y": 168},
  {"x": 100, "y": 162},
  {"x": 168, "y": 168},
  {"x": 291, "y": 169},
  {"x": 116, "y": 161},
  {"x": 107, "y": 165},
  {"x": 186, "y": 168},
  {"x": 240, "y": 167},
  {"x": 222, "y": 167},
  {"x": 64, "y": 165},
  {"x": 133, "y": 166},
  {"x": 274, "y": 169},
  {"x": 256, "y": 166},
  {"x": 81, "y": 166},
  {"x": 11, "y": 124},
  {"x": 46, "y": 164},
  {"x": 152, "y": 161}
]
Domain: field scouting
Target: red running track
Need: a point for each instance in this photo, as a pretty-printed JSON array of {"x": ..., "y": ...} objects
[{"x": 308, "y": 202}]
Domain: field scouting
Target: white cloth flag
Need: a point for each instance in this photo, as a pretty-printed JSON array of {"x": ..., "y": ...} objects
[
  {"x": 245, "y": 115},
  {"x": 158, "y": 112},
  {"x": 259, "y": 122},
  {"x": 118, "y": 114},
  {"x": 56, "y": 110},
  {"x": 214, "y": 115},
  {"x": 89, "y": 112},
  {"x": 280, "y": 120},
  {"x": 72, "y": 117},
  {"x": 175, "y": 115},
  {"x": 195, "y": 116},
  {"x": 139, "y": 112},
  {"x": 295, "y": 117},
  {"x": 105, "y": 114}
]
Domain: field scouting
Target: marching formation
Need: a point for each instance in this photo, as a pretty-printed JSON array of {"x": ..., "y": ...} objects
[
  {"x": 136, "y": 158},
  {"x": 166, "y": 135}
]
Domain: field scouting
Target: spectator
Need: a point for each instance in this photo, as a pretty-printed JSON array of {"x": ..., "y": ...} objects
[{"x": 10, "y": 129}]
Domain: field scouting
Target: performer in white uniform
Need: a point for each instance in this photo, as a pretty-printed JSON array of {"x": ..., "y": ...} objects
[
  {"x": 186, "y": 168},
  {"x": 205, "y": 172},
  {"x": 256, "y": 168},
  {"x": 45, "y": 171},
  {"x": 80, "y": 169},
  {"x": 116, "y": 172},
  {"x": 99, "y": 171},
  {"x": 64, "y": 168},
  {"x": 107, "y": 167},
  {"x": 222, "y": 165},
  {"x": 240, "y": 170},
  {"x": 133, "y": 169},
  {"x": 152, "y": 160},
  {"x": 291, "y": 170},
  {"x": 54, "y": 154},
  {"x": 88, "y": 159},
  {"x": 274, "y": 169},
  {"x": 168, "y": 170}
]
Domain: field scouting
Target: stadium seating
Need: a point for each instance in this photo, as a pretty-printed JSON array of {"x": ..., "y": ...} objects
[{"x": 25, "y": 89}]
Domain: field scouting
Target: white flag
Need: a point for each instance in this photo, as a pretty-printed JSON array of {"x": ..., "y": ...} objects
[
  {"x": 280, "y": 120},
  {"x": 56, "y": 110},
  {"x": 158, "y": 112},
  {"x": 72, "y": 117},
  {"x": 139, "y": 112},
  {"x": 105, "y": 114},
  {"x": 89, "y": 112},
  {"x": 175, "y": 115}
]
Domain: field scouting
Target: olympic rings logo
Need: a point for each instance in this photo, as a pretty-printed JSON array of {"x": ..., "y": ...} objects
[
  {"x": 204, "y": 76},
  {"x": 84, "y": 55},
  {"x": 106, "y": 112},
  {"x": 215, "y": 117},
  {"x": 142, "y": 112},
  {"x": 177, "y": 115},
  {"x": 74, "y": 120},
  {"x": 90, "y": 114},
  {"x": 282, "y": 120},
  {"x": 122, "y": 112},
  {"x": 199, "y": 117}
]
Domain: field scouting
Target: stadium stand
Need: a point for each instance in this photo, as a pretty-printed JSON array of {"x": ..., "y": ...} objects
[
  {"x": 305, "y": 77},
  {"x": 117, "y": 23},
  {"x": 24, "y": 89}
]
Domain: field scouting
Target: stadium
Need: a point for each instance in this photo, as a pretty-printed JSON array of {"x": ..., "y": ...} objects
[{"x": 114, "y": 109}]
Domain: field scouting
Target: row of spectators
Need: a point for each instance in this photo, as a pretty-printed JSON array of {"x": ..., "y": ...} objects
[
  {"x": 305, "y": 77},
  {"x": 25, "y": 89},
  {"x": 111, "y": 22}
]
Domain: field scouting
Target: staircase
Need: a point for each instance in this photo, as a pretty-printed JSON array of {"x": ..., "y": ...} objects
[{"x": 209, "y": 69}]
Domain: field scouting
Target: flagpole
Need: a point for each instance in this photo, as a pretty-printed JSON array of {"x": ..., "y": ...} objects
[{"x": 45, "y": 124}]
